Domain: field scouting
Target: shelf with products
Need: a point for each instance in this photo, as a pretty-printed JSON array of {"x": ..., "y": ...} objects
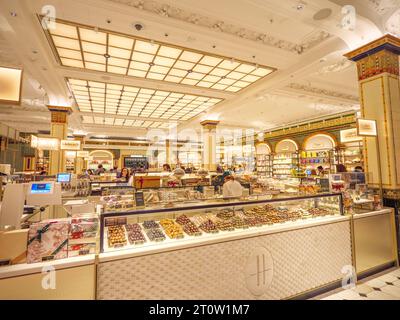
[
  {"x": 310, "y": 160},
  {"x": 154, "y": 227},
  {"x": 351, "y": 155},
  {"x": 284, "y": 164}
]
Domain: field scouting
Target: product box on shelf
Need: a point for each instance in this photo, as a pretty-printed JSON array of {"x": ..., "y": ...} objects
[{"x": 48, "y": 240}]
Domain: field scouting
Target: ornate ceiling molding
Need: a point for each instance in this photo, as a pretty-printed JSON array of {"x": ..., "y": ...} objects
[
  {"x": 323, "y": 92},
  {"x": 339, "y": 66},
  {"x": 384, "y": 6},
  {"x": 168, "y": 11}
]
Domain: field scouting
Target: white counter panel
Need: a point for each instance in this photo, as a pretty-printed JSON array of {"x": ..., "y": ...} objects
[{"x": 270, "y": 266}]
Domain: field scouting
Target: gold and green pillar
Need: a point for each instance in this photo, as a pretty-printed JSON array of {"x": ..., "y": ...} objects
[
  {"x": 209, "y": 134},
  {"x": 378, "y": 75},
  {"x": 59, "y": 130},
  {"x": 80, "y": 163}
]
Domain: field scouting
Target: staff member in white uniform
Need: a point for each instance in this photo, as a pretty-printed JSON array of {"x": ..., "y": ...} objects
[{"x": 231, "y": 188}]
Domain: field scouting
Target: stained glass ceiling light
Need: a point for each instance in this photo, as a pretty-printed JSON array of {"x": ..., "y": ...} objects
[
  {"x": 95, "y": 49},
  {"x": 151, "y": 105}
]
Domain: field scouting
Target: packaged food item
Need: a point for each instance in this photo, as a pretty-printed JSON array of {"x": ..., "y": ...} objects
[
  {"x": 81, "y": 249},
  {"x": 48, "y": 240},
  {"x": 116, "y": 236},
  {"x": 182, "y": 220},
  {"x": 150, "y": 224},
  {"x": 135, "y": 234},
  {"x": 172, "y": 229},
  {"x": 155, "y": 234},
  {"x": 208, "y": 226},
  {"x": 191, "y": 229}
]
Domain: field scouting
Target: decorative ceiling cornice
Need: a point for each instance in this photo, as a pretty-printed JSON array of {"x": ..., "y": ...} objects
[
  {"x": 384, "y": 6},
  {"x": 168, "y": 11},
  {"x": 322, "y": 92}
]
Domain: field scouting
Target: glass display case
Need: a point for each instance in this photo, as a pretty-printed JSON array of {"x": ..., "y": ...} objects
[{"x": 153, "y": 226}]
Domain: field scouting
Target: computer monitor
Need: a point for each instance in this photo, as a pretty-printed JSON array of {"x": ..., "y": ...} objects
[
  {"x": 64, "y": 177},
  {"x": 41, "y": 188},
  {"x": 43, "y": 193}
]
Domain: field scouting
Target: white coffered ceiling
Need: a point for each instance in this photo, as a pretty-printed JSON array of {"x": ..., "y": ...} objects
[{"x": 248, "y": 63}]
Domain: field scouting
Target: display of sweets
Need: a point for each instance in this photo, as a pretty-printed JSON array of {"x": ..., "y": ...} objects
[
  {"x": 239, "y": 223},
  {"x": 135, "y": 234},
  {"x": 155, "y": 234},
  {"x": 133, "y": 227},
  {"x": 224, "y": 225},
  {"x": 172, "y": 229},
  {"x": 225, "y": 214},
  {"x": 208, "y": 226},
  {"x": 318, "y": 212},
  {"x": 116, "y": 236},
  {"x": 150, "y": 224},
  {"x": 182, "y": 220},
  {"x": 253, "y": 221},
  {"x": 191, "y": 229}
]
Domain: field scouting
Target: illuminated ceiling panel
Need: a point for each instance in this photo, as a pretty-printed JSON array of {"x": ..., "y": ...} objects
[
  {"x": 151, "y": 105},
  {"x": 96, "y": 49}
]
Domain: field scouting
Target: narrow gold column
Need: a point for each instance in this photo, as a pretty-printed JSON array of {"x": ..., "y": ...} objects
[
  {"x": 378, "y": 74},
  {"x": 80, "y": 163},
  {"x": 168, "y": 151},
  {"x": 59, "y": 130},
  {"x": 209, "y": 144}
]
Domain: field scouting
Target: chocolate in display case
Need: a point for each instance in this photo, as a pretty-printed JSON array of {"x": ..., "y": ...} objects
[{"x": 211, "y": 219}]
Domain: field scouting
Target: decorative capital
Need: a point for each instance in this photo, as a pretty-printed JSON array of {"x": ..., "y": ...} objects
[
  {"x": 387, "y": 42},
  {"x": 59, "y": 114},
  {"x": 209, "y": 124},
  {"x": 51, "y": 108},
  {"x": 377, "y": 57}
]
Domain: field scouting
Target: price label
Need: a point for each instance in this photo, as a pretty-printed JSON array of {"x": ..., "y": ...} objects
[{"x": 139, "y": 199}]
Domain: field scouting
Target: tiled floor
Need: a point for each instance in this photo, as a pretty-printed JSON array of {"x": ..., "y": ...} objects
[{"x": 383, "y": 287}]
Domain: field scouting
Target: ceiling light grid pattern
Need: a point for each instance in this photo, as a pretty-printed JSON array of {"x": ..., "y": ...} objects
[
  {"x": 119, "y": 100},
  {"x": 105, "y": 51}
]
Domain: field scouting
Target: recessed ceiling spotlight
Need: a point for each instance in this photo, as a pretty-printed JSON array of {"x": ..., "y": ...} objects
[
  {"x": 166, "y": 34},
  {"x": 138, "y": 26},
  {"x": 107, "y": 56},
  {"x": 108, "y": 21},
  {"x": 300, "y": 6},
  {"x": 13, "y": 14},
  {"x": 151, "y": 64},
  {"x": 35, "y": 52},
  {"x": 214, "y": 46},
  {"x": 189, "y": 71}
]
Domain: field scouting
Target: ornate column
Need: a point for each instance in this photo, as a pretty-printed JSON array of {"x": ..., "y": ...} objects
[
  {"x": 59, "y": 130},
  {"x": 209, "y": 144},
  {"x": 378, "y": 74},
  {"x": 80, "y": 163}
]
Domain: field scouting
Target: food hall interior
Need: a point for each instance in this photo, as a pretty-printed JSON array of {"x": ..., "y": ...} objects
[{"x": 172, "y": 149}]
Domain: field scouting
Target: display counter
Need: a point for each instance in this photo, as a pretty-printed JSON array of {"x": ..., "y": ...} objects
[{"x": 277, "y": 248}]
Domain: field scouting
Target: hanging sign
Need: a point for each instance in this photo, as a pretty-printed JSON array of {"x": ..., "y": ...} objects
[
  {"x": 52, "y": 144},
  {"x": 349, "y": 135},
  {"x": 82, "y": 154},
  {"x": 366, "y": 128},
  {"x": 70, "y": 145}
]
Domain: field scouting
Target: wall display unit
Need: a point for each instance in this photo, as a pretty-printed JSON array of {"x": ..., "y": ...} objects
[
  {"x": 319, "y": 150},
  {"x": 263, "y": 160},
  {"x": 136, "y": 163},
  {"x": 103, "y": 157},
  {"x": 351, "y": 155},
  {"x": 286, "y": 159}
]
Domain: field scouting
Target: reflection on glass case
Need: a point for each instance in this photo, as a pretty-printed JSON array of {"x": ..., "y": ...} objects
[{"x": 150, "y": 227}]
